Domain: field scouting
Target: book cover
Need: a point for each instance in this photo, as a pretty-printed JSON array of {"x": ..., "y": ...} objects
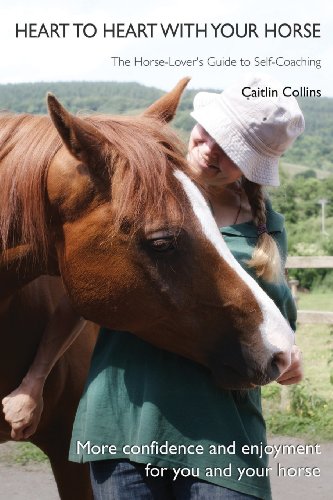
[{"x": 118, "y": 57}]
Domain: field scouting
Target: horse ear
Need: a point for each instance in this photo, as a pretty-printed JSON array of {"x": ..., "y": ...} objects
[
  {"x": 84, "y": 141},
  {"x": 165, "y": 107}
]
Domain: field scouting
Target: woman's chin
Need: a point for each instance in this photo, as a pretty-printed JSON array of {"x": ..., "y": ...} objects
[{"x": 209, "y": 171}]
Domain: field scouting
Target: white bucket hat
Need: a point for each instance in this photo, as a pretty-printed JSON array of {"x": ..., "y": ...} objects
[{"x": 253, "y": 131}]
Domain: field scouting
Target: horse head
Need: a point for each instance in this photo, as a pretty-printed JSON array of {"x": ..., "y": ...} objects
[{"x": 138, "y": 248}]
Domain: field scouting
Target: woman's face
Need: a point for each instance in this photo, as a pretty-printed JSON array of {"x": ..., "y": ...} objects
[{"x": 208, "y": 160}]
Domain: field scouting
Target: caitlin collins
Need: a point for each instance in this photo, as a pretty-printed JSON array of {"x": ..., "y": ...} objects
[{"x": 286, "y": 91}]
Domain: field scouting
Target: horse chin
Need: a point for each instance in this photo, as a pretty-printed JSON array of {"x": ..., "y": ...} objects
[{"x": 229, "y": 378}]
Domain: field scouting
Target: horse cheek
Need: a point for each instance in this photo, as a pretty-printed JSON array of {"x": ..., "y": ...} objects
[{"x": 100, "y": 278}]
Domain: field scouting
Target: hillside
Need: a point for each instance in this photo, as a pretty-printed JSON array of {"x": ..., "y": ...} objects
[{"x": 314, "y": 149}]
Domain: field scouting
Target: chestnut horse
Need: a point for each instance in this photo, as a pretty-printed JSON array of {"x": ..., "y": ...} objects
[{"x": 108, "y": 204}]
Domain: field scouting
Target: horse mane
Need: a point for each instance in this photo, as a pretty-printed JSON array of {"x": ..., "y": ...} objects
[
  {"x": 28, "y": 143},
  {"x": 27, "y": 146},
  {"x": 147, "y": 151}
]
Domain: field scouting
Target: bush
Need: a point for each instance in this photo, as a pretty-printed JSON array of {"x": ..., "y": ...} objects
[
  {"x": 307, "y": 414},
  {"x": 305, "y": 403}
]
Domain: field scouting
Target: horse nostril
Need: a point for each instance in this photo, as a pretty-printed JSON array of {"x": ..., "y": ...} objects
[{"x": 280, "y": 362}]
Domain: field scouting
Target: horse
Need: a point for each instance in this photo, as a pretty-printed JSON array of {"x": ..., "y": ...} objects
[{"x": 105, "y": 209}]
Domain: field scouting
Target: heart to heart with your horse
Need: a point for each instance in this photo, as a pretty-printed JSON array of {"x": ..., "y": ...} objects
[
  {"x": 166, "y": 448},
  {"x": 168, "y": 30}
]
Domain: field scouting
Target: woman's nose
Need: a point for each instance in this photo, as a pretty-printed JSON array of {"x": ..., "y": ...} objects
[{"x": 209, "y": 147}]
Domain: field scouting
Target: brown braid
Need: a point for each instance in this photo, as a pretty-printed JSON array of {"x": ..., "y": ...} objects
[{"x": 266, "y": 257}]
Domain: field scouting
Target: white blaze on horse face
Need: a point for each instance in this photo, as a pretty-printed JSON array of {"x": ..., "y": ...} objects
[{"x": 275, "y": 330}]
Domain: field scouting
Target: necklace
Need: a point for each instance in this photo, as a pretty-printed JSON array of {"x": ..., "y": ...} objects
[{"x": 238, "y": 210}]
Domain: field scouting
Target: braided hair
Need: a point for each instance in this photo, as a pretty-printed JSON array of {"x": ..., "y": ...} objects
[{"x": 266, "y": 259}]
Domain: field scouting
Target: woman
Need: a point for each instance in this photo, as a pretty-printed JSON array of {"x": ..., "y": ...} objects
[{"x": 160, "y": 426}]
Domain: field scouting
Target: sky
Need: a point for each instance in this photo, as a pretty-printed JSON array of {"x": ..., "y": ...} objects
[{"x": 72, "y": 57}]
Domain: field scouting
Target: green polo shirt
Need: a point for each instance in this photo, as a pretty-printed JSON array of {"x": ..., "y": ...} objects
[{"x": 137, "y": 395}]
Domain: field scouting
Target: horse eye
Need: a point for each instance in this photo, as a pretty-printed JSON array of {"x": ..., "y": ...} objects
[{"x": 162, "y": 244}]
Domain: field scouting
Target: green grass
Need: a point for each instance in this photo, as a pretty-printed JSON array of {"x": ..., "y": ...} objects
[
  {"x": 315, "y": 301},
  {"x": 306, "y": 409},
  {"x": 27, "y": 452},
  {"x": 21, "y": 453},
  {"x": 316, "y": 343}
]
